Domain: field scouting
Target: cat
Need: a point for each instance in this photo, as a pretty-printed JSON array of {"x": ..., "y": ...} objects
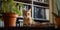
[{"x": 28, "y": 21}]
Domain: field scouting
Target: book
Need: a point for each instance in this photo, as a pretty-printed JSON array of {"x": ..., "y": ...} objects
[
  {"x": 27, "y": 7},
  {"x": 47, "y": 14},
  {"x": 34, "y": 0},
  {"x": 42, "y": 1},
  {"x": 46, "y": 1}
]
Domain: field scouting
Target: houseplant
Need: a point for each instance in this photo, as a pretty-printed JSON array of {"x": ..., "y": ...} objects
[
  {"x": 57, "y": 12},
  {"x": 10, "y": 12}
]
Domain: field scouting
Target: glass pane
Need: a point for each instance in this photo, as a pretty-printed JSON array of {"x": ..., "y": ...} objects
[{"x": 39, "y": 13}]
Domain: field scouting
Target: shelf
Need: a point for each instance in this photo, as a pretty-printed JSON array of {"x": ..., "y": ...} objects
[
  {"x": 40, "y": 20},
  {"x": 29, "y": 1},
  {"x": 23, "y": 3},
  {"x": 31, "y": 4},
  {"x": 40, "y": 6},
  {"x": 41, "y": 3},
  {"x": 22, "y": 0}
]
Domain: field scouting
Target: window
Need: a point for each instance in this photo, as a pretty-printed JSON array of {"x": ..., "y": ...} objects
[{"x": 40, "y": 13}]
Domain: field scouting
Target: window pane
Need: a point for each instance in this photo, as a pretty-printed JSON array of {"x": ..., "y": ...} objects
[{"x": 39, "y": 13}]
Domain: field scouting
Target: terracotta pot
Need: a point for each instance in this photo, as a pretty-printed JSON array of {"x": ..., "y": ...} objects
[
  {"x": 57, "y": 19},
  {"x": 9, "y": 19}
]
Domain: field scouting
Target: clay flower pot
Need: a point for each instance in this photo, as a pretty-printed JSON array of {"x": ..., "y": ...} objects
[
  {"x": 57, "y": 19},
  {"x": 9, "y": 19}
]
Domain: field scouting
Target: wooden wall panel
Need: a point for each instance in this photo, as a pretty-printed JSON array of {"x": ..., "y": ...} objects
[{"x": 51, "y": 10}]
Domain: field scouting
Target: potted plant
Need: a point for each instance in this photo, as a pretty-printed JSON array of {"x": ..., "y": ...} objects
[
  {"x": 10, "y": 12},
  {"x": 57, "y": 12}
]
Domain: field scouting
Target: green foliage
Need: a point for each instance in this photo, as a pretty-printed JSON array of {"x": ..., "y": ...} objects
[
  {"x": 57, "y": 7},
  {"x": 9, "y": 6}
]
